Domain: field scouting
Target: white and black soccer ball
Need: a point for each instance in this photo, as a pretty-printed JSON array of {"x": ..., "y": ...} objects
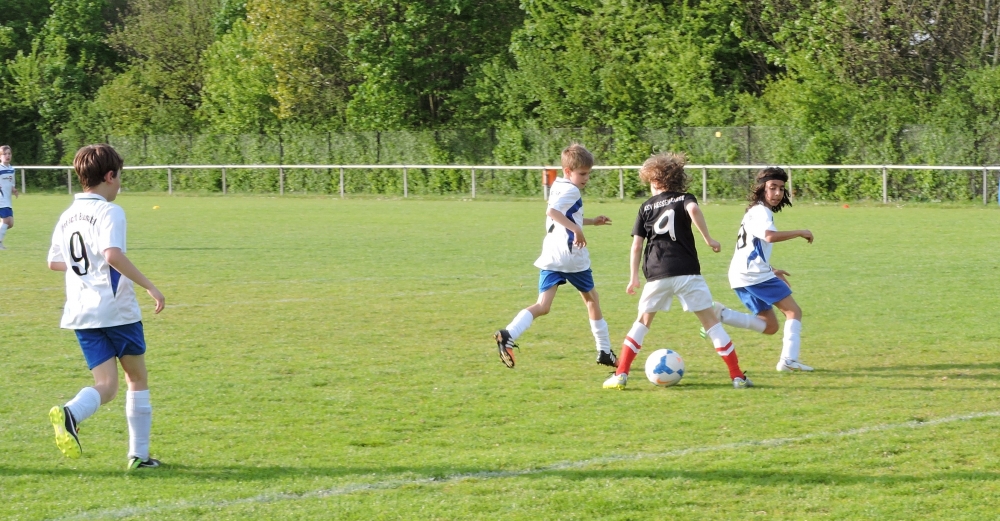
[{"x": 664, "y": 367}]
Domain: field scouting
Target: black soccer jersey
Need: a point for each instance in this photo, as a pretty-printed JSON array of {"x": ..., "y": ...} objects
[{"x": 666, "y": 226}]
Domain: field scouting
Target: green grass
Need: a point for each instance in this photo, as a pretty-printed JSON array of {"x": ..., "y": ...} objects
[{"x": 328, "y": 359}]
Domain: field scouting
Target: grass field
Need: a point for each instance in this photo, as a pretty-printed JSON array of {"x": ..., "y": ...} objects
[{"x": 329, "y": 359}]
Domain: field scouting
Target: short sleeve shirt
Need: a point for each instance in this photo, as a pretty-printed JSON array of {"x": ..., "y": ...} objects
[
  {"x": 665, "y": 224},
  {"x": 751, "y": 262},
  {"x": 6, "y": 185},
  {"x": 558, "y": 251},
  {"x": 97, "y": 295}
]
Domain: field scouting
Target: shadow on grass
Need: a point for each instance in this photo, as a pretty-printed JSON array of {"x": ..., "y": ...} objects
[{"x": 392, "y": 477}]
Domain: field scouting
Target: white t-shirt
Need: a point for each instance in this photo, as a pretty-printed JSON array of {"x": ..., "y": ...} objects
[
  {"x": 6, "y": 186},
  {"x": 751, "y": 262},
  {"x": 96, "y": 294},
  {"x": 558, "y": 251}
]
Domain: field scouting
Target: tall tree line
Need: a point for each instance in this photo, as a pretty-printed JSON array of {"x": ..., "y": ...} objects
[{"x": 833, "y": 70}]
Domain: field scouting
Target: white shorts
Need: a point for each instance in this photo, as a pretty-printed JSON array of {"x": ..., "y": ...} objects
[{"x": 691, "y": 290}]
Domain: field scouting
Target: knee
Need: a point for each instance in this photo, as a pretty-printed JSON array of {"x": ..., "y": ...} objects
[
  {"x": 770, "y": 329},
  {"x": 107, "y": 391},
  {"x": 538, "y": 310}
]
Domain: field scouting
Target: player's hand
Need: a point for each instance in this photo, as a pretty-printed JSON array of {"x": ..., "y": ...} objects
[
  {"x": 714, "y": 244},
  {"x": 15, "y": 193},
  {"x": 161, "y": 301},
  {"x": 782, "y": 274},
  {"x": 579, "y": 240},
  {"x": 601, "y": 219},
  {"x": 807, "y": 235},
  {"x": 632, "y": 286}
]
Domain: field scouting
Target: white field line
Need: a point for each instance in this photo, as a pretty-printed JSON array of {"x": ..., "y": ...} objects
[{"x": 487, "y": 475}]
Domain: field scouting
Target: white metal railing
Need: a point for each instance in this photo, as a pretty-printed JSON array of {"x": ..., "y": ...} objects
[{"x": 473, "y": 168}]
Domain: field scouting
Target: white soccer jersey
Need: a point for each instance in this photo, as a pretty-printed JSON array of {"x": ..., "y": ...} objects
[
  {"x": 96, "y": 294},
  {"x": 751, "y": 262},
  {"x": 6, "y": 186},
  {"x": 558, "y": 251}
]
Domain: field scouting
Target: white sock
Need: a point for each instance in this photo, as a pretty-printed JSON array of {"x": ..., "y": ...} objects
[
  {"x": 635, "y": 336},
  {"x": 792, "y": 340},
  {"x": 743, "y": 320},
  {"x": 139, "y": 414},
  {"x": 84, "y": 404},
  {"x": 600, "y": 330},
  {"x": 720, "y": 339},
  {"x": 520, "y": 324},
  {"x": 3, "y": 230}
]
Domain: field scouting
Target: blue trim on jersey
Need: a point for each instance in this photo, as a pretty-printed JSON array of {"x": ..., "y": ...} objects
[
  {"x": 572, "y": 210},
  {"x": 758, "y": 251},
  {"x": 760, "y": 297},
  {"x": 6, "y": 212},
  {"x": 583, "y": 281},
  {"x": 115, "y": 277},
  {"x": 104, "y": 343}
]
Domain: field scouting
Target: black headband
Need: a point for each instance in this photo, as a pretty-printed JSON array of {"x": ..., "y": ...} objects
[{"x": 774, "y": 177}]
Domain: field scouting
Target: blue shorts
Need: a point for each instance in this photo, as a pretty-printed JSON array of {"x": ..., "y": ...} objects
[
  {"x": 581, "y": 280},
  {"x": 104, "y": 343},
  {"x": 6, "y": 212},
  {"x": 760, "y": 297}
]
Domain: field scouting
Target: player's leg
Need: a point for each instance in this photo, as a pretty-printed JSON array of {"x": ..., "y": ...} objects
[
  {"x": 138, "y": 411},
  {"x": 630, "y": 348},
  {"x": 6, "y": 222},
  {"x": 695, "y": 297},
  {"x": 584, "y": 283},
  {"x": 791, "y": 342},
  {"x": 99, "y": 353},
  {"x": 548, "y": 283}
]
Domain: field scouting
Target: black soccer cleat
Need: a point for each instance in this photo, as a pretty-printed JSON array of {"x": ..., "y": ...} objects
[
  {"x": 136, "y": 463},
  {"x": 609, "y": 359},
  {"x": 505, "y": 347}
]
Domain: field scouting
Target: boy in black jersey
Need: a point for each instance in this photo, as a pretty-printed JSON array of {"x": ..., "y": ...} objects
[{"x": 670, "y": 265}]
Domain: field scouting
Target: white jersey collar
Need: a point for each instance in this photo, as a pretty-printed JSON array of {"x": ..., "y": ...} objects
[{"x": 89, "y": 195}]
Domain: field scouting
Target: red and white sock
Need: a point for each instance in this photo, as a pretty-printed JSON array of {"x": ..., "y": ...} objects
[
  {"x": 724, "y": 346},
  {"x": 631, "y": 347}
]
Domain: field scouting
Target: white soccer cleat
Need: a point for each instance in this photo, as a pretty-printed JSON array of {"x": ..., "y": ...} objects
[
  {"x": 616, "y": 381},
  {"x": 787, "y": 366},
  {"x": 2, "y": 247}
]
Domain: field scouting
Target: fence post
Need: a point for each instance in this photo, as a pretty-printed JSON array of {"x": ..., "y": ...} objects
[
  {"x": 23, "y": 186},
  {"x": 545, "y": 186},
  {"x": 704, "y": 184},
  {"x": 885, "y": 186},
  {"x": 791, "y": 192},
  {"x": 170, "y": 181},
  {"x": 406, "y": 187},
  {"x": 281, "y": 180},
  {"x": 223, "y": 181},
  {"x": 69, "y": 181},
  {"x": 473, "y": 183},
  {"x": 984, "y": 186},
  {"x": 341, "y": 182},
  {"x": 621, "y": 183}
]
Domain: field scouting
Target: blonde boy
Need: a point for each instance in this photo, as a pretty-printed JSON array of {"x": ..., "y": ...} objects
[
  {"x": 8, "y": 187},
  {"x": 564, "y": 258}
]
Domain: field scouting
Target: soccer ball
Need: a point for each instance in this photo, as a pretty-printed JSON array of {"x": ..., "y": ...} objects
[{"x": 664, "y": 367}]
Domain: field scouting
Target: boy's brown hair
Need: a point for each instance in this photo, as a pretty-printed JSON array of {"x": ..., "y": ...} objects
[
  {"x": 5, "y": 148},
  {"x": 93, "y": 161},
  {"x": 576, "y": 156},
  {"x": 756, "y": 196},
  {"x": 666, "y": 171}
]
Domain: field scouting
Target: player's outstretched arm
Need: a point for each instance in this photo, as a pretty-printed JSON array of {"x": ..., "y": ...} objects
[
  {"x": 698, "y": 219},
  {"x": 57, "y": 266},
  {"x": 774, "y": 236},
  {"x": 636, "y": 254},
  {"x": 117, "y": 259},
  {"x": 597, "y": 221}
]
